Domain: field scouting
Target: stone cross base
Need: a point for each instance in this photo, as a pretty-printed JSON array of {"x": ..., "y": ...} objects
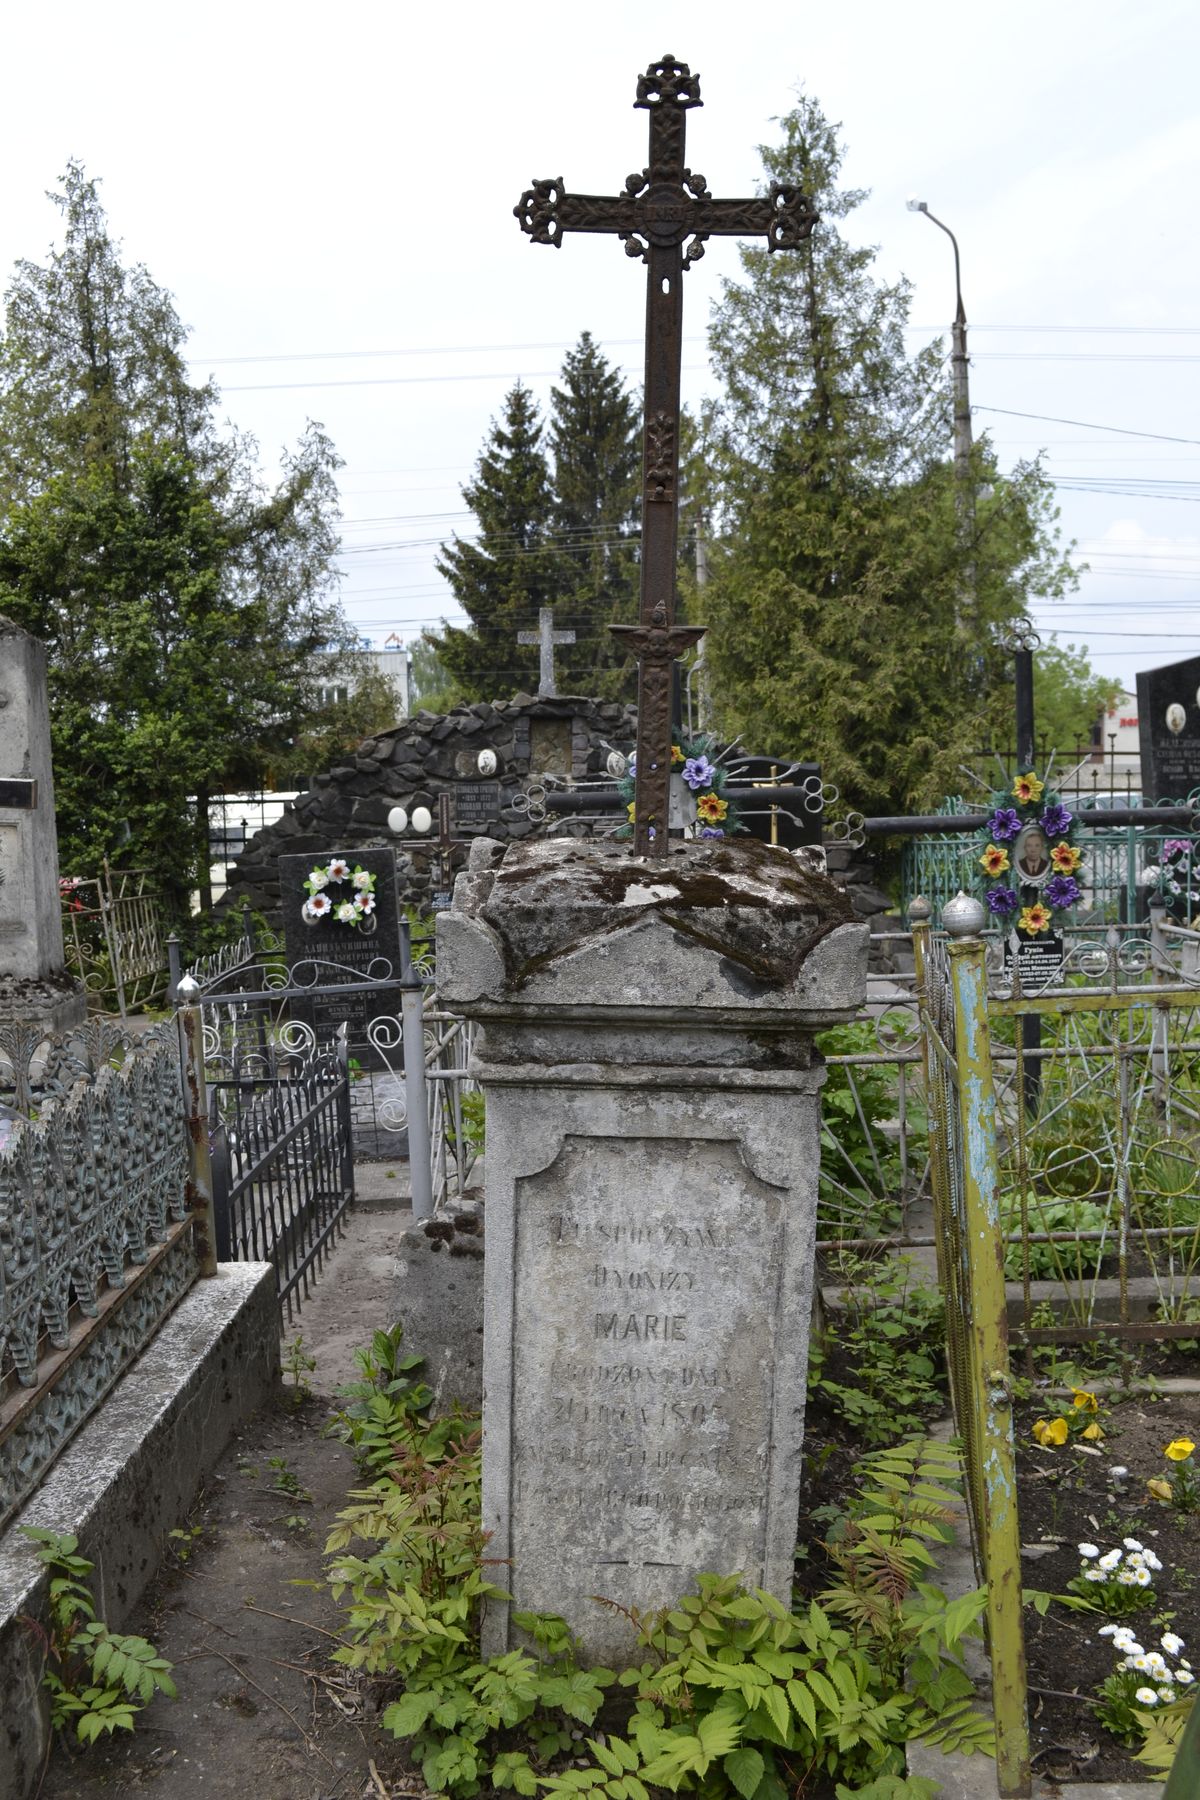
[{"x": 653, "y": 1131}]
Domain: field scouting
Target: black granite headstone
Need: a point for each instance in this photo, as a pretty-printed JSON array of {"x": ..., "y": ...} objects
[
  {"x": 476, "y": 804},
  {"x": 1040, "y": 961},
  {"x": 1169, "y": 730},
  {"x": 326, "y": 955}
]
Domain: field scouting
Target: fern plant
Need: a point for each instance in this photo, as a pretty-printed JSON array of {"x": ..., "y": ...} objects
[{"x": 97, "y": 1679}]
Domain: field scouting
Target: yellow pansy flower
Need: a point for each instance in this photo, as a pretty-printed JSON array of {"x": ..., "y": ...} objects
[
  {"x": 1179, "y": 1449},
  {"x": 1162, "y": 1490},
  {"x": 1051, "y": 1431},
  {"x": 1092, "y": 1432},
  {"x": 1083, "y": 1401}
]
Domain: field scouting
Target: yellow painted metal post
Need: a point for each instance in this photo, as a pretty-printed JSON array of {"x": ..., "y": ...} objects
[{"x": 991, "y": 1392}]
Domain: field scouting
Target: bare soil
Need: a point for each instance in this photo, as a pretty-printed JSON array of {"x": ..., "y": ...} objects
[{"x": 261, "y": 1710}]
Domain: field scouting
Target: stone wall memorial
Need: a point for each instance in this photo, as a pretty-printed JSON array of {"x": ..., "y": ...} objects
[
  {"x": 653, "y": 1107},
  {"x": 347, "y": 808}
]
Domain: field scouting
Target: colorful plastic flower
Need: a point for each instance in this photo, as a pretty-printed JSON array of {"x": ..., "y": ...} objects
[
  {"x": 995, "y": 860},
  {"x": 1002, "y": 900},
  {"x": 629, "y": 810},
  {"x": 1066, "y": 858},
  {"x": 1004, "y": 824},
  {"x": 676, "y": 756},
  {"x": 339, "y": 869},
  {"x": 317, "y": 879},
  {"x": 711, "y": 808},
  {"x": 1056, "y": 820},
  {"x": 1061, "y": 890},
  {"x": 346, "y": 913},
  {"x": 1034, "y": 919},
  {"x": 1027, "y": 789},
  {"x": 698, "y": 772},
  {"x": 711, "y": 831},
  {"x": 319, "y": 904},
  {"x": 364, "y": 903},
  {"x": 1051, "y": 1431},
  {"x": 1179, "y": 1449},
  {"x": 364, "y": 881}
]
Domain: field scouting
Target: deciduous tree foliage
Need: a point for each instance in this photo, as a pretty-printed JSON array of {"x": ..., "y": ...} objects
[
  {"x": 849, "y": 619},
  {"x": 181, "y": 601}
]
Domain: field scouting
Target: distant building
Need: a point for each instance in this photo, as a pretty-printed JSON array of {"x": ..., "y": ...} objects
[
  {"x": 390, "y": 660},
  {"x": 1111, "y": 773}
]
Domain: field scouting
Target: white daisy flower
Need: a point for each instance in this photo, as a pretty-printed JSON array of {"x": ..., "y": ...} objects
[
  {"x": 1183, "y": 1677},
  {"x": 1094, "y": 1575},
  {"x": 319, "y": 904},
  {"x": 1157, "y": 1667},
  {"x": 1166, "y": 1694},
  {"x": 1151, "y": 1561},
  {"x": 1184, "y": 1663},
  {"x": 1110, "y": 1559},
  {"x": 1146, "y": 1696},
  {"x": 1112, "y": 1631},
  {"x": 1089, "y": 1550},
  {"x": 1129, "y": 1543},
  {"x": 1142, "y": 1577},
  {"x": 1129, "y": 1577}
]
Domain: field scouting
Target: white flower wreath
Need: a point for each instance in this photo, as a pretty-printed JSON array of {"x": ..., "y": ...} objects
[{"x": 353, "y": 899}]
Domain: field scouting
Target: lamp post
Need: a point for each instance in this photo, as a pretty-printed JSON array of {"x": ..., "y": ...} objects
[{"x": 964, "y": 487}]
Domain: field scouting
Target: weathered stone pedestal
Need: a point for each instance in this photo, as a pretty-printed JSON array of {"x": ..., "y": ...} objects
[
  {"x": 35, "y": 989},
  {"x": 652, "y": 1153}
]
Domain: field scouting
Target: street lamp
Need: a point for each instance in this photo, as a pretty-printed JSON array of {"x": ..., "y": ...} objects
[{"x": 964, "y": 486}]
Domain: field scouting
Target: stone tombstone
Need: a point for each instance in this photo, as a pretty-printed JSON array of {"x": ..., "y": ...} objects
[
  {"x": 1169, "y": 730},
  {"x": 477, "y": 805},
  {"x": 653, "y": 1125},
  {"x": 550, "y": 747},
  {"x": 34, "y": 985},
  {"x": 328, "y": 955}
]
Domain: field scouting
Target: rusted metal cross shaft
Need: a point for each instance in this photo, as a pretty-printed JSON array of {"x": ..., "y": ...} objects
[{"x": 661, "y": 209}]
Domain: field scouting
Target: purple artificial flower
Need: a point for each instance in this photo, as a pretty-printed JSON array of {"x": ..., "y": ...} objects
[
  {"x": 1001, "y": 900},
  {"x": 1004, "y": 824},
  {"x": 1056, "y": 820},
  {"x": 631, "y": 766},
  {"x": 1061, "y": 890},
  {"x": 711, "y": 831},
  {"x": 1176, "y": 847},
  {"x": 698, "y": 772}
]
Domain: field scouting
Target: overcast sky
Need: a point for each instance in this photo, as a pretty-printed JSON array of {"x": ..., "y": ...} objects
[{"x": 328, "y": 194}]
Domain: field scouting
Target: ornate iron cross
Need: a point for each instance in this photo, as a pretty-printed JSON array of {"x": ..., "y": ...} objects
[{"x": 661, "y": 208}]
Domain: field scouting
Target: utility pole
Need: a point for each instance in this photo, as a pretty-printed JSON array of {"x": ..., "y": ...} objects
[{"x": 964, "y": 486}]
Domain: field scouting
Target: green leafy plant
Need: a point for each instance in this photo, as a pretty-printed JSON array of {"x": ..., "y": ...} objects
[
  {"x": 1077, "y": 1259},
  {"x": 892, "y": 1345},
  {"x": 298, "y": 1364},
  {"x": 1116, "y": 1581},
  {"x": 1179, "y": 1488},
  {"x": 1142, "y": 1680},
  {"x": 97, "y": 1679},
  {"x": 383, "y": 1412}
]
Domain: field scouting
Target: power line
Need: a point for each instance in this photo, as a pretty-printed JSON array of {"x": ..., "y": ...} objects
[{"x": 1086, "y": 425}]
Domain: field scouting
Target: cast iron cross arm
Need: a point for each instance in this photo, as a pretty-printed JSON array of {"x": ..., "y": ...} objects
[{"x": 663, "y": 207}]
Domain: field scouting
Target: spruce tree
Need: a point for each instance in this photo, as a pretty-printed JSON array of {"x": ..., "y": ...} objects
[
  {"x": 595, "y": 443},
  {"x": 838, "y": 626},
  {"x": 502, "y": 578}
]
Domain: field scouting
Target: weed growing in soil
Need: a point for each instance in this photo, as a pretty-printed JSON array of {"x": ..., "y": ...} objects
[
  {"x": 886, "y": 1377},
  {"x": 97, "y": 1679},
  {"x": 734, "y": 1695},
  {"x": 298, "y": 1365}
]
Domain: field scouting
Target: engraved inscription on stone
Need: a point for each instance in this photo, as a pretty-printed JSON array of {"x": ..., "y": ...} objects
[
  {"x": 477, "y": 803},
  {"x": 550, "y": 747},
  {"x": 643, "y": 1368}
]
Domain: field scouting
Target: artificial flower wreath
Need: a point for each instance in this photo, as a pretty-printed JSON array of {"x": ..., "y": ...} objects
[
  {"x": 1010, "y": 861},
  {"x": 706, "y": 776},
  {"x": 337, "y": 892}
]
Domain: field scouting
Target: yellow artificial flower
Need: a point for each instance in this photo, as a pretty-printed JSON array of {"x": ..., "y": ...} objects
[
  {"x": 1065, "y": 859},
  {"x": 995, "y": 860},
  {"x": 1162, "y": 1490},
  {"x": 1092, "y": 1432},
  {"x": 1034, "y": 919},
  {"x": 677, "y": 755},
  {"x": 711, "y": 809},
  {"x": 1179, "y": 1449},
  {"x": 629, "y": 810},
  {"x": 1027, "y": 789},
  {"x": 1049, "y": 1432},
  {"x": 1082, "y": 1401}
]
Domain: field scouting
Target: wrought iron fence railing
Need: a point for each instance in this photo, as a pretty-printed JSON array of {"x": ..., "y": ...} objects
[
  {"x": 95, "y": 1240},
  {"x": 114, "y": 938}
]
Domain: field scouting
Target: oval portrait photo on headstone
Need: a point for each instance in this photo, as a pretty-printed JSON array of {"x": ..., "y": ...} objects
[{"x": 1032, "y": 857}]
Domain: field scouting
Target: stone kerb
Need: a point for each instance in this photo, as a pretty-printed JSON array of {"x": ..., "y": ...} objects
[{"x": 653, "y": 1144}]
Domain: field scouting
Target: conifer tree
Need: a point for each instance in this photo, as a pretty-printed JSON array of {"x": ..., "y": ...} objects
[
  {"x": 838, "y": 624},
  {"x": 595, "y": 443}
]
